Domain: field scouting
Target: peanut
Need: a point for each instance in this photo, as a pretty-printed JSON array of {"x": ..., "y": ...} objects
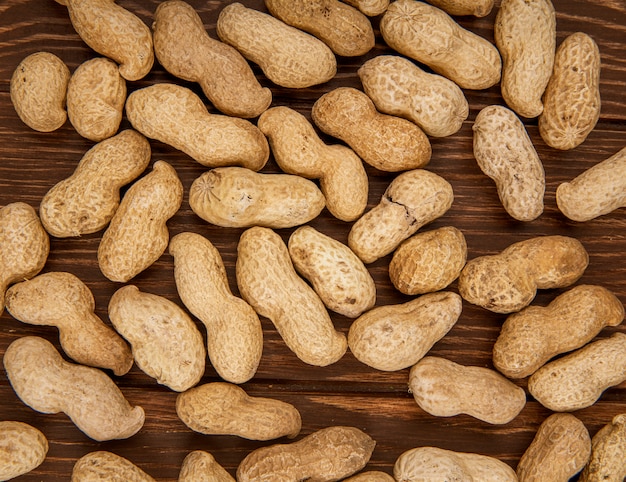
[
  {"x": 201, "y": 466},
  {"x": 23, "y": 448},
  {"x": 370, "y": 476},
  {"x": 371, "y": 8},
  {"x": 607, "y": 462},
  {"x": 477, "y": 8},
  {"x": 102, "y": 465}
]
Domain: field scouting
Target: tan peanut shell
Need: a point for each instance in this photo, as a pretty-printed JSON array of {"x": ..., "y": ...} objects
[
  {"x": 137, "y": 234},
  {"x": 62, "y": 300},
  {"x": 297, "y": 149},
  {"x": 237, "y": 197},
  {"x": 429, "y": 35},
  {"x": 559, "y": 450},
  {"x": 577, "y": 380},
  {"x": 508, "y": 281},
  {"x": 399, "y": 87},
  {"x": 234, "y": 334},
  {"x": 395, "y": 337},
  {"x": 571, "y": 101},
  {"x": 165, "y": 341},
  {"x": 413, "y": 199},
  {"x": 370, "y": 476},
  {"x": 175, "y": 115},
  {"x": 221, "y": 408},
  {"x": 444, "y": 388},
  {"x": 268, "y": 281},
  {"x": 506, "y": 154},
  {"x": 525, "y": 34},
  {"x": 326, "y": 455},
  {"x": 599, "y": 190},
  {"x": 38, "y": 90},
  {"x": 102, "y": 465},
  {"x": 337, "y": 275},
  {"x": 23, "y": 448},
  {"x": 536, "y": 334},
  {"x": 607, "y": 462},
  {"x": 287, "y": 56},
  {"x": 371, "y": 8},
  {"x": 386, "y": 142},
  {"x": 184, "y": 48},
  {"x": 96, "y": 94},
  {"x": 85, "y": 202},
  {"x": 477, "y": 8},
  {"x": 45, "y": 382},
  {"x": 201, "y": 466}
]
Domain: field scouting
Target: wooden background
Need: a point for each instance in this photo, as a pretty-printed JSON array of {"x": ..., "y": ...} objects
[{"x": 347, "y": 392}]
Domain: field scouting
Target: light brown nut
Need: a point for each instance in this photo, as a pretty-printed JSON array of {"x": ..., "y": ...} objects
[
  {"x": 595, "y": 192},
  {"x": 444, "y": 388},
  {"x": 234, "y": 334},
  {"x": 412, "y": 200},
  {"x": 525, "y": 34},
  {"x": 297, "y": 149},
  {"x": 201, "y": 466},
  {"x": 237, "y": 197},
  {"x": 101, "y": 466},
  {"x": 536, "y": 334},
  {"x": 287, "y": 56},
  {"x": 559, "y": 451},
  {"x": 23, "y": 448},
  {"x": 478, "y": 8},
  {"x": 62, "y": 300},
  {"x": 371, "y": 8},
  {"x": 38, "y": 91},
  {"x": 175, "y": 115},
  {"x": 165, "y": 341},
  {"x": 577, "y": 380},
  {"x": 346, "y": 30},
  {"x": 395, "y": 337},
  {"x": 326, "y": 455},
  {"x": 386, "y": 142},
  {"x": 221, "y": 408},
  {"x": 370, "y": 476},
  {"x": 428, "y": 261},
  {"x": 505, "y": 153},
  {"x": 608, "y": 453},
  {"x": 434, "y": 464},
  {"x": 429, "y": 35},
  {"x": 337, "y": 275},
  {"x": 571, "y": 101},
  {"x": 137, "y": 234},
  {"x": 185, "y": 49},
  {"x": 85, "y": 202},
  {"x": 45, "y": 382},
  {"x": 268, "y": 281},
  {"x": 508, "y": 281},
  {"x": 399, "y": 87},
  {"x": 24, "y": 245}
]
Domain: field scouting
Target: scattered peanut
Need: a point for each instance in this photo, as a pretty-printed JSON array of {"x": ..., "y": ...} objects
[
  {"x": 201, "y": 466},
  {"x": 23, "y": 448},
  {"x": 478, "y": 8},
  {"x": 101, "y": 466},
  {"x": 371, "y": 8},
  {"x": 607, "y": 462}
]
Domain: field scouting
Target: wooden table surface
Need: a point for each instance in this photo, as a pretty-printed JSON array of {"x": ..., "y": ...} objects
[{"x": 347, "y": 392}]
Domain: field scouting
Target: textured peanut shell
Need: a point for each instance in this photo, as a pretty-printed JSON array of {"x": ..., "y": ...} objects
[
  {"x": 62, "y": 300},
  {"x": 327, "y": 455},
  {"x": 395, "y": 337},
  {"x": 508, "y": 281},
  {"x": 386, "y": 142},
  {"x": 175, "y": 115},
  {"x": 536, "y": 334},
  {"x": 371, "y": 8},
  {"x": 184, "y": 48},
  {"x": 23, "y": 448},
  {"x": 85, "y": 202},
  {"x": 137, "y": 235},
  {"x": 607, "y": 462},
  {"x": 412, "y": 200},
  {"x": 477, "y": 8},
  {"x": 506, "y": 154},
  {"x": 48, "y": 384},
  {"x": 201, "y": 466},
  {"x": 165, "y": 341},
  {"x": 429, "y": 35},
  {"x": 297, "y": 149},
  {"x": 287, "y": 56},
  {"x": 237, "y": 197},
  {"x": 337, "y": 275},
  {"x": 577, "y": 380},
  {"x": 399, "y": 87},
  {"x": 525, "y": 34},
  {"x": 102, "y": 465},
  {"x": 221, "y": 408},
  {"x": 234, "y": 334},
  {"x": 559, "y": 450},
  {"x": 38, "y": 89},
  {"x": 268, "y": 281},
  {"x": 571, "y": 101},
  {"x": 370, "y": 476}
]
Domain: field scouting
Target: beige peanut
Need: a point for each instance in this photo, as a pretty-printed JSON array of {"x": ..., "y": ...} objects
[
  {"x": 607, "y": 462},
  {"x": 23, "y": 448},
  {"x": 102, "y": 465},
  {"x": 371, "y": 8},
  {"x": 478, "y": 8},
  {"x": 201, "y": 466}
]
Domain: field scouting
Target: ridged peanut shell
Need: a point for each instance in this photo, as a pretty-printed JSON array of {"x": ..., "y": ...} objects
[
  {"x": 103, "y": 465},
  {"x": 201, "y": 466},
  {"x": 607, "y": 462},
  {"x": 371, "y": 8},
  {"x": 477, "y": 8},
  {"x": 23, "y": 448}
]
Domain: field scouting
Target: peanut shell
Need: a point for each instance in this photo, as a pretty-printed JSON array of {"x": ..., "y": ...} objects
[
  {"x": 607, "y": 462},
  {"x": 23, "y": 448}
]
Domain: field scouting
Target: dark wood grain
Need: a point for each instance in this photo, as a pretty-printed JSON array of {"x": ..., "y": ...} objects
[{"x": 346, "y": 392}]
